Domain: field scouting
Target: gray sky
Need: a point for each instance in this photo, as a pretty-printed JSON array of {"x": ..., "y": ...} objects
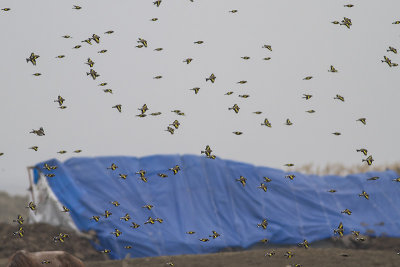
[{"x": 304, "y": 43}]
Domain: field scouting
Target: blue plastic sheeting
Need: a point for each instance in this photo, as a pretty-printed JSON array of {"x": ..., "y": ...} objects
[{"x": 205, "y": 196}]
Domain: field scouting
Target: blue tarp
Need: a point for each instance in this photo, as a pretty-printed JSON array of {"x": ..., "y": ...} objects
[{"x": 205, "y": 196}]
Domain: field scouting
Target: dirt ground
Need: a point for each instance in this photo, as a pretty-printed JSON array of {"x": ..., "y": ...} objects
[
  {"x": 346, "y": 251},
  {"x": 324, "y": 257}
]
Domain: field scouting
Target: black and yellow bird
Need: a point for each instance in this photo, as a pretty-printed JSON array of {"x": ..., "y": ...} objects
[
  {"x": 109, "y": 32},
  {"x": 387, "y": 60},
  {"x": 34, "y": 148},
  {"x": 268, "y": 47},
  {"x": 105, "y": 251},
  {"x": 20, "y": 232},
  {"x": 229, "y": 93},
  {"x": 77, "y": 47},
  {"x": 332, "y": 191},
  {"x": 102, "y": 51},
  {"x": 214, "y": 235},
  {"x": 190, "y": 232},
  {"x": 66, "y": 36},
  {"x": 175, "y": 123},
  {"x": 288, "y": 122},
  {"x": 157, "y": 3},
  {"x": 60, "y": 56},
  {"x": 31, "y": 206},
  {"x": 369, "y": 160},
  {"x": 39, "y": 132},
  {"x": 126, "y": 218},
  {"x": 135, "y": 225},
  {"x": 78, "y": 151},
  {"x": 266, "y": 58},
  {"x": 89, "y": 62},
  {"x": 115, "y": 203},
  {"x": 392, "y": 49},
  {"x": 158, "y": 49},
  {"x": 188, "y": 60},
  {"x": 306, "y": 96},
  {"x": 37, "y": 74},
  {"x": 290, "y": 176},
  {"x": 233, "y": 11},
  {"x": 204, "y": 239},
  {"x": 336, "y": 133},
  {"x": 349, "y": 5},
  {"x": 6, "y": 9},
  {"x": 148, "y": 206},
  {"x": 242, "y": 180},
  {"x": 19, "y": 220},
  {"x": 162, "y": 175},
  {"x": 245, "y": 58},
  {"x": 346, "y": 211},
  {"x": 364, "y": 194},
  {"x": 77, "y": 7},
  {"x": 237, "y": 133},
  {"x": 199, "y": 42},
  {"x": 339, "y": 230},
  {"x": 362, "y": 120},
  {"x": 62, "y": 152},
  {"x": 89, "y": 41},
  {"x": 396, "y": 22},
  {"x": 266, "y": 123},
  {"x": 50, "y": 175},
  {"x": 308, "y": 78},
  {"x": 113, "y": 167},
  {"x": 154, "y": 19},
  {"x": 32, "y": 58},
  {"x": 266, "y": 179},
  {"x": 332, "y": 69},
  {"x": 150, "y": 220},
  {"x": 65, "y": 209},
  {"x": 175, "y": 169},
  {"x": 207, "y": 151},
  {"x": 310, "y": 111},
  {"x": 107, "y": 214},
  {"x": 102, "y": 84},
  {"x": 141, "y": 173},
  {"x": 289, "y": 254},
  {"x": 339, "y": 97},
  {"x": 92, "y": 74},
  {"x": 244, "y": 96},
  {"x": 157, "y": 77},
  {"x": 304, "y": 244},
  {"x": 263, "y": 224},
  {"x": 155, "y": 113},
  {"x": 235, "y": 108},
  {"x": 362, "y": 150},
  {"x": 142, "y": 41},
  {"x": 128, "y": 247},
  {"x": 117, "y": 232},
  {"x": 263, "y": 187},
  {"x": 373, "y": 178},
  {"x": 257, "y": 112},
  {"x": 170, "y": 130},
  {"x": 270, "y": 254},
  {"x": 123, "y": 176},
  {"x": 118, "y": 107},
  {"x": 143, "y": 109},
  {"x": 242, "y": 82},
  {"x": 96, "y": 38},
  {"x": 396, "y": 180},
  {"x": 211, "y": 78},
  {"x": 335, "y": 22},
  {"x": 95, "y": 218},
  {"x": 195, "y": 89},
  {"x": 108, "y": 91}
]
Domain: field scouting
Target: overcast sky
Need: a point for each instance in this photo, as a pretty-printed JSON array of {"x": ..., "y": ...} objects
[{"x": 304, "y": 43}]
